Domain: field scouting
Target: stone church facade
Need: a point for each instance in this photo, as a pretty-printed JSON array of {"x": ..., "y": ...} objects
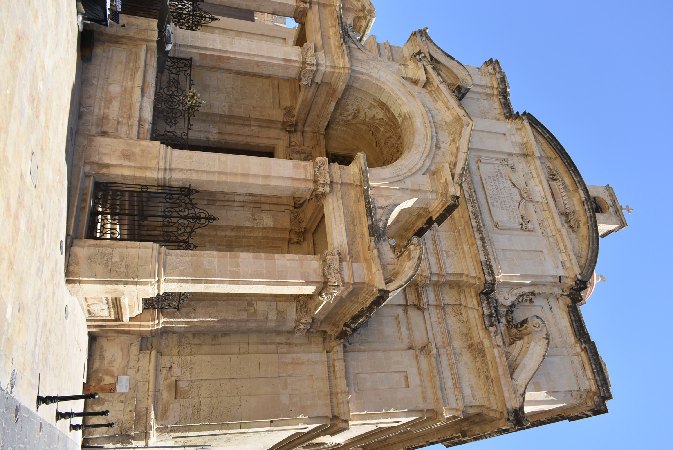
[{"x": 302, "y": 238}]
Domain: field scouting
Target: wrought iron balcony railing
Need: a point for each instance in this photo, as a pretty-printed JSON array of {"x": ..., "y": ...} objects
[
  {"x": 175, "y": 101},
  {"x": 161, "y": 214},
  {"x": 186, "y": 14}
]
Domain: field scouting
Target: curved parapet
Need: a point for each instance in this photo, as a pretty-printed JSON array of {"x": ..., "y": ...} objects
[{"x": 587, "y": 250}]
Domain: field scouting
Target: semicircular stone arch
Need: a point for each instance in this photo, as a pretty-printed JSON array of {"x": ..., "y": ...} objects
[
  {"x": 363, "y": 123},
  {"x": 379, "y": 116}
]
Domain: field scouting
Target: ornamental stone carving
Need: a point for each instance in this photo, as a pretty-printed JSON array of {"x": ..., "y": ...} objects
[
  {"x": 301, "y": 10},
  {"x": 527, "y": 347},
  {"x": 300, "y": 153},
  {"x": 309, "y": 64},
  {"x": 561, "y": 198},
  {"x": 321, "y": 178},
  {"x": 331, "y": 270},
  {"x": 507, "y": 197},
  {"x": 304, "y": 316},
  {"x": 368, "y": 125},
  {"x": 296, "y": 227},
  {"x": 527, "y": 344},
  {"x": 289, "y": 118}
]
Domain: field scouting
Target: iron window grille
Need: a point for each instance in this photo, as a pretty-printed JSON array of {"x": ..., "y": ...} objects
[{"x": 161, "y": 214}]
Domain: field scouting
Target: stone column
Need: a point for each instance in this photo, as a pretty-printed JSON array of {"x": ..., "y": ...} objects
[
  {"x": 149, "y": 162},
  {"x": 241, "y": 273},
  {"x": 136, "y": 270},
  {"x": 353, "y": 276},
  {"x": 111, "y": 268},
  {"x": 242, "y": 55}
]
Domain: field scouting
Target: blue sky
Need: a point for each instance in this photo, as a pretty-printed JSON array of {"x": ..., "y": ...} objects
[{"x": 599, "y": 75}]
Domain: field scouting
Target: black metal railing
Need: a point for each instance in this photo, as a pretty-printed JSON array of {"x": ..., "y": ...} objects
[
  {"x": 188, "y": 15},
  {"x": 161, "y": 214},
  {"x": 173, "y": 112},
  {"x": 167, "y": 300}
]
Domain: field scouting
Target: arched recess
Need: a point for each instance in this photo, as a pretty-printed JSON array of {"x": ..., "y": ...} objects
[
  {"x": 378, "y": 115},
  {"x": 415, "y": 136},
  {"x": 364, "y": 123}
]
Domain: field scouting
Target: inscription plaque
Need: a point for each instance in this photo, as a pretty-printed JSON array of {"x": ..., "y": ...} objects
[{"x": 506, "y": 201}]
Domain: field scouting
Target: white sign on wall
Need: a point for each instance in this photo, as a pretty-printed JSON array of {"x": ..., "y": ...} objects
[{"x": 123, "y": 383}]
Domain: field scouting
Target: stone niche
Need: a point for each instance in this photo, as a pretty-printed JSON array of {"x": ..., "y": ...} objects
[{"x": 364, "y": 123}]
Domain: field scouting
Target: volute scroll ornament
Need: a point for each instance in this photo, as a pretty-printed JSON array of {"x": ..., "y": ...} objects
[{"x": 527, "y": 344}]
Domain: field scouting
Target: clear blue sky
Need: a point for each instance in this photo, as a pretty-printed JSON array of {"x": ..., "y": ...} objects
[{"x": 599, "y": 75}]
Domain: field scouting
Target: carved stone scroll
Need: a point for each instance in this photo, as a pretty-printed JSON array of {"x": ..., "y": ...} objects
[
  {"x": 321, "y": 178},
  {"x": 528, "y": 344},
  {"x": 309, "y": 64}
]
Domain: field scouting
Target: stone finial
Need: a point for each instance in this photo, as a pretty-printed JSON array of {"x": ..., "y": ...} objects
[
  {"x": 321, "y": 178},
  {"x": 309, "y": 64}
]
